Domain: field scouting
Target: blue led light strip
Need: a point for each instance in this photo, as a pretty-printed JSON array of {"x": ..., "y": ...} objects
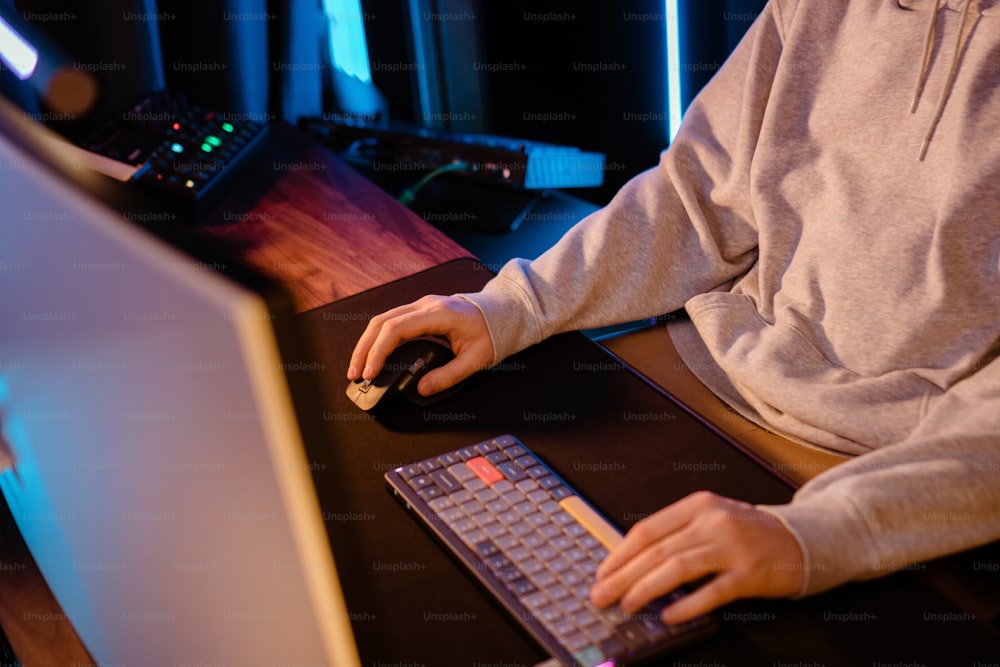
[
  {"x": 348, "y": 48},
  {"x": 16, "y": 52},
  {"x": 674, "y": 113}
]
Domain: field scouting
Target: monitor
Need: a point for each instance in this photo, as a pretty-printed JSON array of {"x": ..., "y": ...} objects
[{"x": 159, "y": 477}]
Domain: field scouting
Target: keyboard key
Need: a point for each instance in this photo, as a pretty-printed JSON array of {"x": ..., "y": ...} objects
[
  {"x": 503, "y": 487},
  {"x": 533, "y": 540},
  {"x": 514, "y": 451},
  {"x": 410, "y": 471},
  {"x": 514, "y": 497},
  {"x": 505, "y": 540},
  {"x": 591, "y": 655},
  {"x": 468, "y": 453},
  {"x": 571, "y": 604},
  {"x": 527, "y": 485},
  {"x": 447, "y": 482},
  {"x": 505, "y": 441},
  {"x": 484, "y": 519},
  {"x": 521, "y": 528},
  {"x": 430, "y": 465},
  {"x": 474, "y": 485},
  {"x": 576, "y": 641},
  {"x": 441, "y": 504},
  {"x": 522, "y": 586},
  {"x": 537, "y": 519},
  {"x": 539, "y": 496},
  {"x": 532, "y": 567},
  {"x": 448, "y": 460},
  {"x": 563, "y": 542},
  {"x": 496, "y": 457},
  {"x": 549, "y": 482},
  {"x": 429, "y": 493},
  {"x": 633, "y": 636},
  {"x": 511, "y": 471},
  {"x": 537, "y": 472},
  {"x": 486, "y": 549},
  {"x": 497, "y": 506},
  {"x": 483, "y": 469},
  {"x": 535, "y": 601},
  {"x": 498, "y": 531},
  {"x": 486, "y": 447},
  {"x": 473, "y": 507},
  {"x": 419, "y": 481},
  {"x": 486, "y": 495},
  {"x": 519, "y": 554},
  {"x": 525, "y": 508},
  {"x": 540, "y": 576},
  {"x": 526, "y": 461},
  {"x": 451, "y": 514},
  {"x": 560, "y": 492},
  {"x": 461, "y": 472},
  {"x": 613, "y": 647}
]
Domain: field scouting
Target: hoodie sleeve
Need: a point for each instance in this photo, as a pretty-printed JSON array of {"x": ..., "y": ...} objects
[
  {"x": 683, "y": 228},
  {"x": 937, "y": 492}
]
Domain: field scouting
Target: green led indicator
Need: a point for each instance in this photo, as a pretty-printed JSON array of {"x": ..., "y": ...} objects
[
  {"x": 206, "y": 148},
  {"x": 215, "y": 141},
  {"x": 228, "y": 127}
]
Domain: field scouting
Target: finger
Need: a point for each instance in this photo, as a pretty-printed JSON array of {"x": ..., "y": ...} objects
[
  {"x": 464, "y": 364},
  {"x": 653, "y": 558},
  {"x": 720, "y": 591},
  {"x": 651, "y": 529},
  {"x": 371, "y": 332},
  {"x": 391, "y": 334},
  {"x": 686, "y": 566}
]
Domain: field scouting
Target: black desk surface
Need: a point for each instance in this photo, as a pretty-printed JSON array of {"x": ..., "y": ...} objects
[{"x": 628, "y": 448}]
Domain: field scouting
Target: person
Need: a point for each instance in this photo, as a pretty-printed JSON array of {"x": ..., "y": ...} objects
[{"x": 827, "y": 218}]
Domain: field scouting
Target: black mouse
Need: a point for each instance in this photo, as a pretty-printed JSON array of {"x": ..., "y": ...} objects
[{"x": 400, "y": 375}]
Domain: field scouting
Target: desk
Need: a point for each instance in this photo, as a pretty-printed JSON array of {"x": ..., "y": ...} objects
[{"x": 302, "y": 217}]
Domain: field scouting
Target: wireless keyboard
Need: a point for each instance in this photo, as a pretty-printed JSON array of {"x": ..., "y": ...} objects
[{"x": 535, "y": 543}]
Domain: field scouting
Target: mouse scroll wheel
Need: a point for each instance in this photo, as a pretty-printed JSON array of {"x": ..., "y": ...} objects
[{"x": 417, "y": 365}]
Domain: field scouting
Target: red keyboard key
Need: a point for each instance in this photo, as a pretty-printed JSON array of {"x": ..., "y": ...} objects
[{"x": 484, "y": 470}]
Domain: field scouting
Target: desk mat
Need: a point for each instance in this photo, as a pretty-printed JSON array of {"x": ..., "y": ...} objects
[{"x": 627, "y": 447}]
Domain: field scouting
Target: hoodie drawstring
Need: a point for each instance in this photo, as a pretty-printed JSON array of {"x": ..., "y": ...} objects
[{"x": 963, "y": 34}]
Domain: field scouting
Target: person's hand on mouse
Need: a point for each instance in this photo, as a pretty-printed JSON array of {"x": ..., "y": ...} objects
[{"x": 452, "y": 317}]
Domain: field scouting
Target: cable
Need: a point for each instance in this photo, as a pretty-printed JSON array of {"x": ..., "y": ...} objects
[{"x": 409, "y": 194}]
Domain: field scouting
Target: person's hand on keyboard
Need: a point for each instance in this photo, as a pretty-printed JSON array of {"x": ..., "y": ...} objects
[
  {"x": 451, "y": 317},
  {"x": 749, "y": 551}
]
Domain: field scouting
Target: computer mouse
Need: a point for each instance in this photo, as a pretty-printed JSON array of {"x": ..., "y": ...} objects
[{"x": 400, "y": 375}]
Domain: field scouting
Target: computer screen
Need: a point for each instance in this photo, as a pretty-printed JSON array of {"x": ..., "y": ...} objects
[{"x": 159, "y": 477}]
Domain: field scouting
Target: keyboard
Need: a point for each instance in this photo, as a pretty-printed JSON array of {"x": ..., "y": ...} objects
[
  {"x": 490, "y": 159},
  {"x": 535, "y": 543}
]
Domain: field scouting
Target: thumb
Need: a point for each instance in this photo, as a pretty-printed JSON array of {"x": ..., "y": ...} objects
[{"x": 447, "y": 376}]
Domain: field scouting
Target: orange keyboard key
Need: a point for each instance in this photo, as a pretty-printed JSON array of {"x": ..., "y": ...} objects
[{"x": 485, "y": 470}]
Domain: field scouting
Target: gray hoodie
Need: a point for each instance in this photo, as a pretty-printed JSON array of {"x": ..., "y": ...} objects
[{"x": 829, "y": 217}]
